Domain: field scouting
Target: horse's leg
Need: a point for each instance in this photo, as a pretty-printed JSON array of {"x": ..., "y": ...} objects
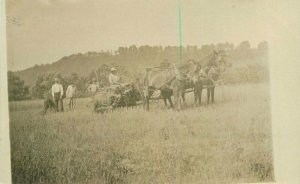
[
  {"x": 196, "y": 94},
  {"x": 147, "y": 102},
  {"x": 180, "y": 97},
  {"x": 208, "y": 94},
  {"x": 170, "y": 101},
  {"x": 177, "y": 96},
  {"x": 200, "y": 93},
  {"x": 213, "y": 94},
  {"x": 165, "y": 100},
  {"x": 170, "y": 94},
  {"x": 147, "y": 98},
  {"x": 144, "y": 102},
  {"x": 183, "y": 95}
]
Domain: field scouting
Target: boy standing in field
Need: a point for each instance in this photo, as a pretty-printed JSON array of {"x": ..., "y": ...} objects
[
  {"x": 70, "y": 94},
  {"x": 57, "y": 94}
]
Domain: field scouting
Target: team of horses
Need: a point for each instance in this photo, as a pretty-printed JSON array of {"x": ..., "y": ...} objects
[{"x": 174, "y": 81}]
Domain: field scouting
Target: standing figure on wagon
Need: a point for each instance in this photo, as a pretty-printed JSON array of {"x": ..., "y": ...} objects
[
  {"x": 115, "y": 86},
  {"x": 113, "y": 78}
]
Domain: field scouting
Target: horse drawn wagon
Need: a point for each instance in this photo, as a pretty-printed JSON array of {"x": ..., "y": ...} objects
[{"x": 165, "y": 82}]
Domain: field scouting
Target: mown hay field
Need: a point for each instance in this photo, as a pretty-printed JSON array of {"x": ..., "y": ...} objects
[{"x": 229, "y": 141}]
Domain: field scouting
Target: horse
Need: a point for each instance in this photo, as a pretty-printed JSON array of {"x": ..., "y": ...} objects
[
  {"x": 158, "y": 79},
  {"x": 170, "y": 81},
  {"x": 211, "y": 68},
  {"x": 184, "y": 80},
  {"x": 179, "y": 82}
]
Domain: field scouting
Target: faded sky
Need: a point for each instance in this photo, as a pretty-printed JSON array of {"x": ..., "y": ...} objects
[{"x": 46, "y": 30}]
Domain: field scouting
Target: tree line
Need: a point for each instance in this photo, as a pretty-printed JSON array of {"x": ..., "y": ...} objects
[{"x": 17, "y": 89}]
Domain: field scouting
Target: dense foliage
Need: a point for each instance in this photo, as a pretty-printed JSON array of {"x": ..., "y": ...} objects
[
  {"x": 16, "y": 88},
  {"x": 249, "y": 65}
]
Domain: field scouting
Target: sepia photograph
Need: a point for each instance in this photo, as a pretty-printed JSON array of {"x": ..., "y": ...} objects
[{"x": 172, "y": 91}]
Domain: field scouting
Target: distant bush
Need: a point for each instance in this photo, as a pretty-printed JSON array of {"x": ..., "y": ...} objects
[
  {"x": 16, "y": 88},
  {"x": 248, "y": 73}
]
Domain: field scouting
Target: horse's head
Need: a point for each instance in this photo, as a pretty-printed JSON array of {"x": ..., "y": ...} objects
[
  {"x": 222, "y": 60},
  {"x": 190, "y": 67},
  {"x": 157, "y": 77}
]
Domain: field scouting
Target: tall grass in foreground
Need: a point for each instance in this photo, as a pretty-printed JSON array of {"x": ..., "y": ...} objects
[{"x": 227, "y": 142}]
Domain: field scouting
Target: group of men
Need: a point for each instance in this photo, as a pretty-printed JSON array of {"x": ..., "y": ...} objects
[{"x": 54, "y": 97}]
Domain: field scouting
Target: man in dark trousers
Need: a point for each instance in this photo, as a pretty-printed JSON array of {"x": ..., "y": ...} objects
[
  {"x": 48, "y": 101},
  {"x": 57, "y": 95}
]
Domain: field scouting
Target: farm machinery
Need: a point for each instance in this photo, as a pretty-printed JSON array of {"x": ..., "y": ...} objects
[{"x": 111, "y": 98}]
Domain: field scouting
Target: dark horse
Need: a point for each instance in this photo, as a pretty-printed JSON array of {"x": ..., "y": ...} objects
[
  {"x": 210, "y": 86},
  {"x": 158, "y": 79},
  {"x": 170, "y": 81}
]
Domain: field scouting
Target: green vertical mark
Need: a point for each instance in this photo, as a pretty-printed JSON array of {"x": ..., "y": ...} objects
[{"x": 180, "y": 33}]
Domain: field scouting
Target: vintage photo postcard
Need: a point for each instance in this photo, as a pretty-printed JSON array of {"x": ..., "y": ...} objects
[{"x": 172, "y": 91}]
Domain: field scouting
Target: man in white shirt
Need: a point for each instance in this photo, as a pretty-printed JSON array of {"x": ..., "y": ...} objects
[
  {"x": 57, "y": 94},
  {"x": 70, "y": 94},
  {"x": 115, "y": 84},
  {"x": 113, "y": 77},
  {"x": 114, "y": 81}
]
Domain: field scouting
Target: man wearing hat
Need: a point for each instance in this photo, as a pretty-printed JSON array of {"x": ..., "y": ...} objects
[
  {"x": 113, "y": 77},
  {"x": 57, "y": 94},
  {"x": 70, "y": 94},
  {"x": 115, "y": 84}
]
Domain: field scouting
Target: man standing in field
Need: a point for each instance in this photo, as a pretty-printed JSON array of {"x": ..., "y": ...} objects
[
  {"x": 48, "y": 101},
  {"x": 70, "y": 94},
  {"x": 57, "y": 94}
]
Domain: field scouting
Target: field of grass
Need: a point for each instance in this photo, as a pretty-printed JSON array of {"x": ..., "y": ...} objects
[{"x": 227, "y": 142}]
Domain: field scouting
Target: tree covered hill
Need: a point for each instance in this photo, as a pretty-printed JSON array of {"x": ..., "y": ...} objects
[{"x": 135, "y": 59}]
